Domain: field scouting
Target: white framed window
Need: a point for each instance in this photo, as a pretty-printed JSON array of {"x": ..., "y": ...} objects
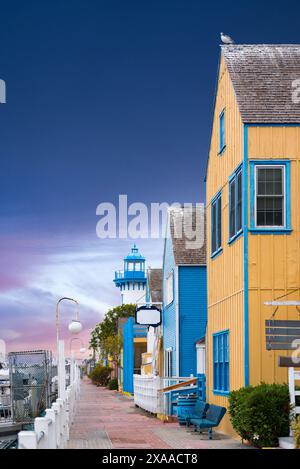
[
  {"x": 269, "y": 200},
  {"x": 169, "y": 288}
]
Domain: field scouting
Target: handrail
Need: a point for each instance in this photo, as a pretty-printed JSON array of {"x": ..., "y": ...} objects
[{"x": 178, "y": 385}]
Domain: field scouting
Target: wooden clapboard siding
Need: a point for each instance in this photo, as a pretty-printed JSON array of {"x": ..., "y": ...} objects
[
  {"x": 225, "y": 272},
  {"x": 274, "y": 260}
]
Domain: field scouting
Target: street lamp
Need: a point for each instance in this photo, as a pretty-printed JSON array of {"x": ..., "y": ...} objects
[
  {"x": 82, "y": 348},
  {"x": 74, "y": 327}
]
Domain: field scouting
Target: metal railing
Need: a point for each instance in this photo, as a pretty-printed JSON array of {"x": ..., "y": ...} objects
[
  {"x": 52, "y": 430},
  {"x": 5, "y": 408}
]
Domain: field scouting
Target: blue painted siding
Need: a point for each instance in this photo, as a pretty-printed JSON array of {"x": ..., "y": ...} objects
[
  {"x": 192, "y": 315},
  {"x": 169, "y": 311},
  {"x": 128, "y": 356}
]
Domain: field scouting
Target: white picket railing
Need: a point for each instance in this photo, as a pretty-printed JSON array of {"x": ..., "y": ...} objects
[
  {"x": 52, "y": 431},
  {"x": 146, "y": 392}
]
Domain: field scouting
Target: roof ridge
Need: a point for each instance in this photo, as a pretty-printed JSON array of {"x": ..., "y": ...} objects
[{"x": 261, "y": 45}]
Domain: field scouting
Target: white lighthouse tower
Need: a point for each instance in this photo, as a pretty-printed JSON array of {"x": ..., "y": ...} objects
[{"x": 132, "y": 281}]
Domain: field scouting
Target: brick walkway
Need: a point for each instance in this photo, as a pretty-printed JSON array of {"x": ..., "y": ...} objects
[{"x": 106, "y": 419}]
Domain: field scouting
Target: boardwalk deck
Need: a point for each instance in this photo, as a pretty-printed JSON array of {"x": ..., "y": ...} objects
[{"x": 106, "y": 419}]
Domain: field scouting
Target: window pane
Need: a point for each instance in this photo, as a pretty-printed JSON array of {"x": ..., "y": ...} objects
[
  {"x": 232, "y": 208},
  {"x": 219, "y": 240},
  {"x": 270, "y": 211},
  {"x": 270, "y": 197},
  {"x": 222, "y": 131},
  {"x": 214, "y": 231}
]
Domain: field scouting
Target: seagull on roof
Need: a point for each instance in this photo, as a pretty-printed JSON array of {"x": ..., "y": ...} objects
[{"x": 226, "y": 39}]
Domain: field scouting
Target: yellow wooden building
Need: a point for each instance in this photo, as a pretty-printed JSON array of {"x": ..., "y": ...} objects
[{"x": 253, "y": 213}]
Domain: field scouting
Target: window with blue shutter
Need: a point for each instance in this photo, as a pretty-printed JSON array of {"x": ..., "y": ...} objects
[
  {"x": 221, "y": 362},
  {"x": 235, "y": 204},
  {"x": 216, "y": 225},
  {"x": 222, "y": 131}
]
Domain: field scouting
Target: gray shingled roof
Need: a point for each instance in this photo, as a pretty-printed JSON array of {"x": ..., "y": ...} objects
[
  {"x": 155, "y": 284},
  {"x": 262, "y": 77},
  {"x": 184, "y": 221}
]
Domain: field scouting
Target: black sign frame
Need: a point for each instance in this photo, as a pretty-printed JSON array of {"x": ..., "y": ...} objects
[{"x": 149, "y": 307}]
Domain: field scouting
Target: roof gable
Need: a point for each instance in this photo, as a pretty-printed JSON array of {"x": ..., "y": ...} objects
[
  {"x": 262, "y": 77},
  {"x": 183, "y": 221}
]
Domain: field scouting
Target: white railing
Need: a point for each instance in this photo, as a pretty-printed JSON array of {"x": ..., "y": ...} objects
[
  {"x": 52, "y": 431},
  {"x": 146, "y": 393}
]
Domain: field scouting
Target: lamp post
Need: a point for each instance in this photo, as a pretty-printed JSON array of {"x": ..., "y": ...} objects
[{"x": 75, "y": 327}]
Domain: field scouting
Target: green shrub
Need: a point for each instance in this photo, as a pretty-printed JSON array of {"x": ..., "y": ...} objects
[
  {"x": 100, "y": 375},
  {"x": 113, "y": 384},
  {"x": 260, "y": 414}
]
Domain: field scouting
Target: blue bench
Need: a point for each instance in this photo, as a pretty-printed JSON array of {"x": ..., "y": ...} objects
[
  {"x": 206, "y": 419},
  {"x": 198, "y": 411}
]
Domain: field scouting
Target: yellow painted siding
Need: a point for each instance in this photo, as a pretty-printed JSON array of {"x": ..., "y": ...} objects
[
  {"x": 225, "y": 272},
  {"x": 274, "y": 260}
]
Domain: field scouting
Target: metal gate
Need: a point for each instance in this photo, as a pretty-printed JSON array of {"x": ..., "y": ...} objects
[{"x": 30, "y": 379}]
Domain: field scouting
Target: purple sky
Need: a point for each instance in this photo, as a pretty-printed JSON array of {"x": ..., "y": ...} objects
[{"x": 103, "y": 98}]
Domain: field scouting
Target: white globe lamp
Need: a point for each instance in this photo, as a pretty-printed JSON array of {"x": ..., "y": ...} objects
[
  {"x": 82, "y": 350},
  {"x": 75, "y": 327}
]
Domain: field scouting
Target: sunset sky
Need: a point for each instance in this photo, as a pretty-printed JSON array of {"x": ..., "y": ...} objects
[{"x": 103, "y": 98}]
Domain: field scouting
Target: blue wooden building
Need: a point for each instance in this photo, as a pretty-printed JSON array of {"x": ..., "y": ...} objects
[
  {"x": 184, "y": 290},
  {"x": 134, "y": 345}
]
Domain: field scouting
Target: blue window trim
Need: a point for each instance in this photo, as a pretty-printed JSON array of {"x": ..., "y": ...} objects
[
  {"x": 234, "y": 175},
  {"x": 271, "y": 230},
  {"x": 213, "y": 201},
  {"x": 222, "y": 131},
  {"x": 219, "y": 392},
  {"x": 216, "y": 253}
]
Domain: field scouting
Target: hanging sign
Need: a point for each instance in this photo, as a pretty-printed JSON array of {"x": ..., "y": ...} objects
[{"x": 148, "y": 316}]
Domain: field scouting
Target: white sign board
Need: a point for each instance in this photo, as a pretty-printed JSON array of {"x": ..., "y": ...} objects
[{"x": 148, "y": 316}]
